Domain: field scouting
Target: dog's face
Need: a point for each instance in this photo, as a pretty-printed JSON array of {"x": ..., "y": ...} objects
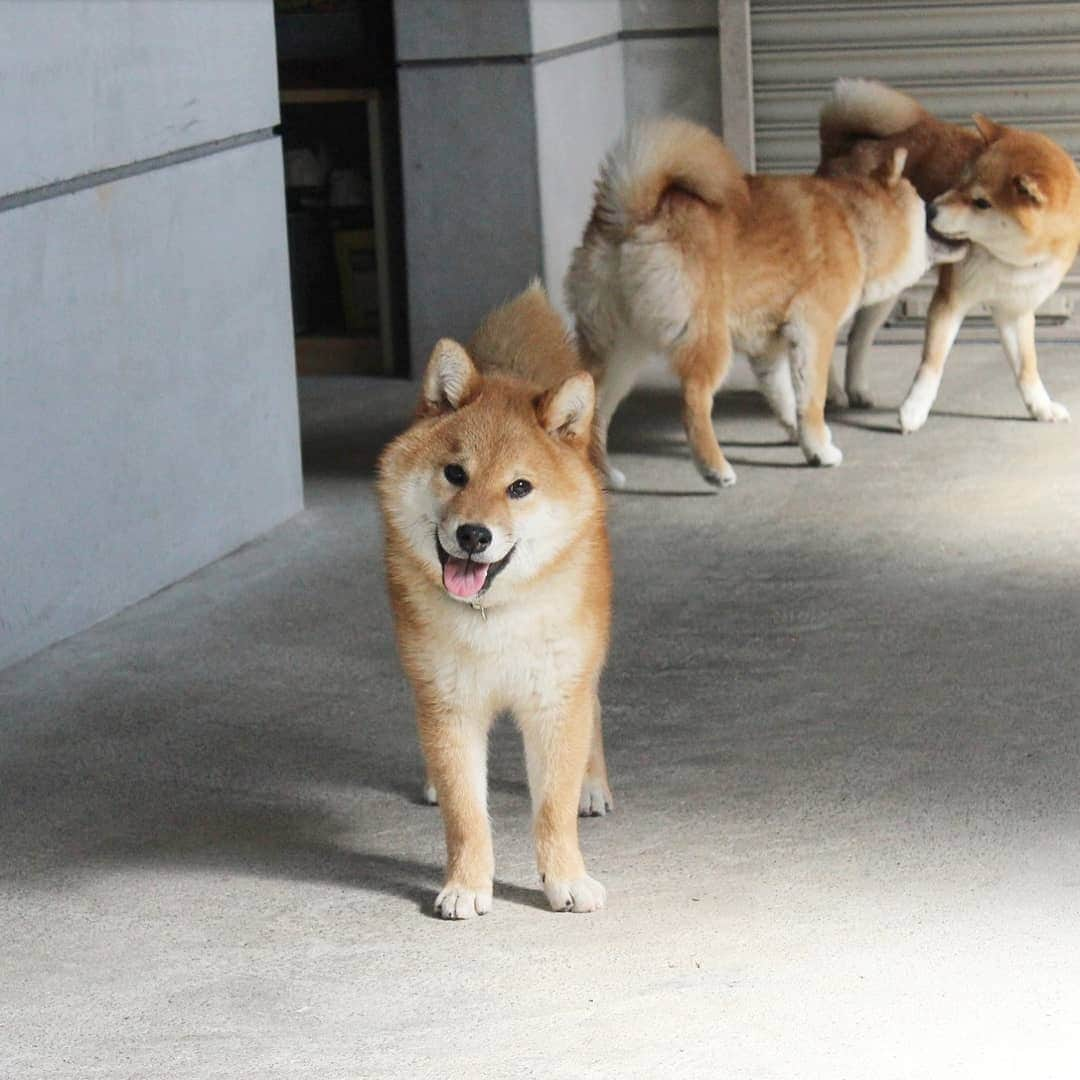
[
  {"x": 493, "y": 484},
  {"x": 1013, "y": 199}
]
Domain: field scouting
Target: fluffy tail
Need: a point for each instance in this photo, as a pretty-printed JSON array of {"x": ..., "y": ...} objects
[
  {"x": 863, "y": 108},
  {"x": 657, "y": 157}
]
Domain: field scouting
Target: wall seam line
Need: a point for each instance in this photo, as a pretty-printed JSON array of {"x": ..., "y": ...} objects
[{"x": 98, "y": 177}]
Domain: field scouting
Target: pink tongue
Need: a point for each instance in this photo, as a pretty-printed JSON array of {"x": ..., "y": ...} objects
[{"x": 464, "y": 579}]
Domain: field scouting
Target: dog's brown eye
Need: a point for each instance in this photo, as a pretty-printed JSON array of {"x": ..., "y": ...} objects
[
  {"x": 981, "y": 204},
  {"x": 456, "y": 475},
  {"x": 519, "y": 489}
]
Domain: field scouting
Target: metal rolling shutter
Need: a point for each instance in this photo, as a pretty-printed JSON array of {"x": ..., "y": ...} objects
[{"x": 1018, "y": 63}]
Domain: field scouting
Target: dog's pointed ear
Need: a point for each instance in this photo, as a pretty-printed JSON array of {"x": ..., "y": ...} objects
[
  {"x": 990, "y": 131},
  {"x": 1030, "y": 188},
  {"x": 450, "y": 380},
  {"x": 566, "y": 410}
]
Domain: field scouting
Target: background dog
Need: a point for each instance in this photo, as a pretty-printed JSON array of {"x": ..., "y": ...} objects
[
  {"x": 1014, "y": 196},
  {"x": 500, "y": 581},
  {"x": 687, "y": 256}
]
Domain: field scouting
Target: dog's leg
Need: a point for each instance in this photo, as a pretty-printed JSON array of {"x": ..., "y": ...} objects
[
  {"x": 557, "y": 742},
  {"x": 455, "y": 747},
  {"x": 942, "y": 325},
  {"x": 702, "y": 367},
  {"x": 774, "y": 381},
  {"x": 868, "y": 321},
  {"x": 1018, "y": 338},
  {"x": 810, "y": 352},
  {"x": 620, "y": 372},
  {"x": 596, "y": 798}
]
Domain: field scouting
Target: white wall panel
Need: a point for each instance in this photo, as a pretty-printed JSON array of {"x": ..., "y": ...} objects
[
  {"x": 87, "y": 85},
  {"x": 148, "y": 419}
]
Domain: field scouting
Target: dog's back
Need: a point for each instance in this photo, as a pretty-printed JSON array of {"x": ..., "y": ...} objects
[{"x": 863, "y": 122}]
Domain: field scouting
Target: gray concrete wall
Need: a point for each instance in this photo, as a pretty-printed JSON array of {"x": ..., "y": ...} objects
[
  {"x": 507, "y": 108},
  {"x": 148, "y": 417}
]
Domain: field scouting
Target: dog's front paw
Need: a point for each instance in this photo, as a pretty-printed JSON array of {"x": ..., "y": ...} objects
[
  {"x": 458, "y": 902},
  {"x": 1051, "y": 412},
  {"x": 721, "y": 478},
  {"x": 580, "y": 894},
  {"x": 912, "y": 416},
  {"x": 837, "y": 398},
  {"x": 860, "y": 399},
  {"x": 595, "y": 799},
  {"x": 825, "y": 456}
]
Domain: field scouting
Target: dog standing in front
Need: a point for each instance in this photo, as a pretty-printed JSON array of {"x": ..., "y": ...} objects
[
  {"x": 500, "y": 582},
  {"x": 1012, "y": 196},
  {"x": 686, "y": 256}
]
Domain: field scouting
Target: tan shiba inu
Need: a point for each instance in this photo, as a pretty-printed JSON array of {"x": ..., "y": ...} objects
[
  {"x": 1012, "y": 198},
  {"x": 500, "y": 581},
  {"x": 688, "y": 257}
]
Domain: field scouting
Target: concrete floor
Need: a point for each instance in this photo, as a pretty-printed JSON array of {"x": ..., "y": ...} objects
[{"x": 841, "y": 721}]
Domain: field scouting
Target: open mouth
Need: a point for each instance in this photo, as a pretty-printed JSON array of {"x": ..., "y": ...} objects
[
  {"x": 465, "y": 578},
  {"x": 951, "y": 242}
]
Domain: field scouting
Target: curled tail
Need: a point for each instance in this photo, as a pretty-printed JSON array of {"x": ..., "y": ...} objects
[
  {"x": 660, "y": 156},
  {"x": 860, "y": 109}
]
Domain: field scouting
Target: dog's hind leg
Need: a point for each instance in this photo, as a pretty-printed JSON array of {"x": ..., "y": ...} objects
[
  {"x": 811, "y": 342},
  {"x": 455, "y": 748},
  {"x": 616, "y": 378},
  {"x": 868, "y": 321},
  {"x": 557, "y": 740},
  {"x": 596, "y": 797},
  {"x": 1018, "y": 339},
  {"x": 702, "y": 365},
  {"x": 774, "y": 381}
]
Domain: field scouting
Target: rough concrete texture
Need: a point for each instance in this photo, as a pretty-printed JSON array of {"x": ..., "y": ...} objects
[{"x": 841, "y": 719}]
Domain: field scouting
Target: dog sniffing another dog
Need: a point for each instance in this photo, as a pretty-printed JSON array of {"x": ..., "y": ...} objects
[{"x": 497, "y": 552}]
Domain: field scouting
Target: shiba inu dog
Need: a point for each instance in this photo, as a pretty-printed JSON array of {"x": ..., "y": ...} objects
[
  {"x": 688, "y": 257},
  {"x": 1012, "y": 198},
  {"x": 500, "y": 581}
]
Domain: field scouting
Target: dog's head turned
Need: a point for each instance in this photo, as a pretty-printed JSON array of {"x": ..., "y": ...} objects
[
  {"x": 1019, "y": 198},
  {"x": 493, "y": 483}
]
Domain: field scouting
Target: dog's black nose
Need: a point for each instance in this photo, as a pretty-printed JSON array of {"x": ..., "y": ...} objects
[
  {"x": 473, "y": 538},
  {"x": 931, "y": 213}
]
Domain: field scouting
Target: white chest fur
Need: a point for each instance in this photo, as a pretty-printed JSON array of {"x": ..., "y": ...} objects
[
  {"x": 521, "y": 656},
  {"x": 1010, "y": 290}
]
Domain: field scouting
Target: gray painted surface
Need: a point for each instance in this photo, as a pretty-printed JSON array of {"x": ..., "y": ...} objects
[
  {"x": 87, "y": 85},
  {"x": 448, "y": 29},
  {"x": 579, "y": 112},
  {"x": 556, "y": 24},
  {"x": 147, "y": 391},
  {"x": 668, "y": 14},
  {"x": 841, "y": 729},
  {"x": 673, "y": 75},
  {"x": 499, "y": 159},
  {"x": 472, "y": 201}
]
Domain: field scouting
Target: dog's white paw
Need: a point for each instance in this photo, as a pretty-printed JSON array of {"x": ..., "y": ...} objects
[
  {"x": 580, "y": 894},
  {"x": 457, "y": 902},
  {"x": 615, "y": 479},
  {"x": 860, "y": 399},
  {"x": 1052, "y": 412},
  {"x": 791, "y": 431},
  {"x": 720, "y": 478},
  {"x": 825, "y": 456},
  {"x": 595, "y": 799},
  {"x": 912, "y": 416},
  {"x": 430, "y": 795}
]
